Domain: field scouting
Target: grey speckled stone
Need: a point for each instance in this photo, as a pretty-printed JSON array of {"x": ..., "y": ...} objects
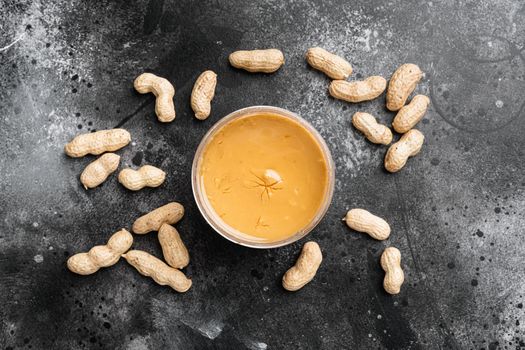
[{"x": 456, "y": 210}]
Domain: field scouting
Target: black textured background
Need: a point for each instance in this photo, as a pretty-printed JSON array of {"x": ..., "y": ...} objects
[{"x": 456, "y": 210}]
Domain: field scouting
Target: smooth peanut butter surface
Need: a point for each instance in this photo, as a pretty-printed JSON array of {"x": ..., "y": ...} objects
[{"x": 264, "y": 175}]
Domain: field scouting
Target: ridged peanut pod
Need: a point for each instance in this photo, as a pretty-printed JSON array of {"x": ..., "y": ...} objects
[
  {"x": 101, "y": 255},
  {"x": 391, "y": 264},
  {"x": 402, "y": 83},
  {"x": 408, "y": 146},
  {"x": 330, "y": 64},
  {"x": 170, "y": 214},
  {"x": 373, "y": 131},
  {"x": 265, "y": 61},
  {"x": 145, "y": 176},
  {"x": 173, "y": 249},
  {"x": 97, "y": 142},
  {"x": 150, "y": 266},
  {"x": 305, "y": 268},
  {"x": 98, "y": 171},
  {"x": 163, "y": 91},
  {"x": 363, "y": 221},
  {"x": 202, "y": 94},
  {"x": 358, "y": 91},
  {"x": 409, "y": 115}
]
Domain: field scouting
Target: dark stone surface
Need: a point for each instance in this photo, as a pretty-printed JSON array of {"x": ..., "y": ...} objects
[{"x": 457, "y": 209}]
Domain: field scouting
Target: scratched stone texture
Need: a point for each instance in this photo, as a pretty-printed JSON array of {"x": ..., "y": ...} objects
[{"x": 457, "y": 210}]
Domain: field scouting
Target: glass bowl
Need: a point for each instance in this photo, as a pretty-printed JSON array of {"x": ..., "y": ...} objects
[{"x": 231, "y": 233}]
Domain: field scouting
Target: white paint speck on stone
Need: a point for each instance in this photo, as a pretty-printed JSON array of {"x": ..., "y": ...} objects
[
  {"x": 5, "y": 48},
  {"x": 260, "y": 345},
  {"x": 255, "y": 345},
  {"x": 38, "y": 258},
  {"x": 211, "y": 329},
  {"x": 138, "y": 343},
  {"x": 365, "y": 40}
]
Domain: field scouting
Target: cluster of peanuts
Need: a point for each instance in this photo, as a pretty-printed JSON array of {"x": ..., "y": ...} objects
[
  {"x": 112, "y": 140},
  {"x": 359, "y": 220},
  {"x": 161, "y": 219},
  {"x": 99, "y": 170},
  {"x": 174, "y": 251},
  {"x": 401, "y": 85}
]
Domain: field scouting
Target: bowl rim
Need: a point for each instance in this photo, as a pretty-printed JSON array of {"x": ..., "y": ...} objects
[{"x": 227, "y": 231}]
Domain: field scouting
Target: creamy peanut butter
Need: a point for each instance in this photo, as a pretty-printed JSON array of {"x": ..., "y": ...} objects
[{"x": 265, "y": 175}]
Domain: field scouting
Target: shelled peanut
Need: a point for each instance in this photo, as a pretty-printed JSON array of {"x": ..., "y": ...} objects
[
  {"x": 173, "y": 249},
  {"x": 98, "y": 171},
  {"x": 101, "y": 255},
  {"x": 408, "y": 116},
  {"x": 408, "y": 146},
  {"x": 145, "y": 176},
  {"x": 305, "y": 267},
  {"x": 202, "y": 94},
  {"x": 150, "y": 266},
  {"x": 265, "y": 61},
  {"x": 373, "y": 131},
  {"x": 170, "y": 214},
  {"x": 363, "y": 221},
  {"x": 401, "y": 85},
  {"x": 163, "y": 91},
  {"x": 357, "y": 91},
  {"x": 97, "y": 142},
  {"x": 330, "y": 64},
  {"x": 391, "y": 264}
]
